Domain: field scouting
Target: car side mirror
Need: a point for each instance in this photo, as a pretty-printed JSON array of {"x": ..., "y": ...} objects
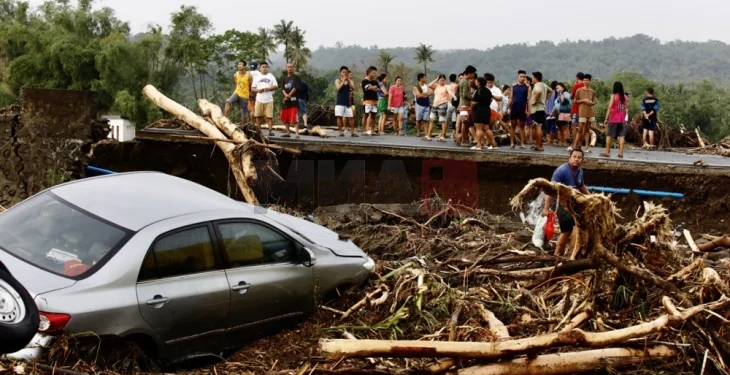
[{"x": 307, "y": 256}]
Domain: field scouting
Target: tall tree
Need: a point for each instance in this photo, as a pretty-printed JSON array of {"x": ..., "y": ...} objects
[
  {"x": 299, "y": 54},
  {"x": 283, "y": 34},
  {"x": 385, "y": 59},
  {"x": 265, "y": 44},
  {"x": 424, "y": 55},
  {"x": 189, "y": 45}
]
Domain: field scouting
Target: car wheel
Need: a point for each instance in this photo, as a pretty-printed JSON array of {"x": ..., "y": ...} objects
[{"x": 18, "y": 315}]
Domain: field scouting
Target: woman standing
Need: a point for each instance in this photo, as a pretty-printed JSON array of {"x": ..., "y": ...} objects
[
  {"x": 382, "y": 102},
  {"x": 616, "y": 119},
  {"x": 442, "y": 96},
  {"x": 396, "y": 104},
  {"x": 564, "y": 106},
  {"x": 482, "y": 114}
]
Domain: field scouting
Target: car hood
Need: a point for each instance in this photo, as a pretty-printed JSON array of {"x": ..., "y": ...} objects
[
  {"x": 34, "y": 279},
  {"x": 317, "y": 234}
]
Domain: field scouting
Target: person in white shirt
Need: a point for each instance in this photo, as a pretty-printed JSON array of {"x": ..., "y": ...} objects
[
  {"x": 495, "y": 106},
  {"x": 264, "y": 86},
  {"x": 253, "y": 73}
]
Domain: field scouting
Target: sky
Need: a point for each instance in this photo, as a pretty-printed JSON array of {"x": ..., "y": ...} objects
[{"x": 478, "y": 24}]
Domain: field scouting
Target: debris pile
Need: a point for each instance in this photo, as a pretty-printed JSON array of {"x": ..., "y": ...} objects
[{"x": 461, "y": 290}]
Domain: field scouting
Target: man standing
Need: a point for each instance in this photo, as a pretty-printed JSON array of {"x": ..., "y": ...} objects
[
  {"x": 569, "y": 174},
  {"x": 290, "y": 106},
  {"x": 586, "y": 99},
  {"x": 422, "y": 92},
  {"x": 649, "y": 109},
  {"x": 370, "y": 90},
  {"x": 343, "y": 105},
  {"x": 303, "y": 95},
  {"x": 242, "y": 82},
  {"x": 574, "y": 111},
  {"x": 518, "y": 108},
  {"x": 254, "y": 72},
  {"x": 453, "y": 87},
  {"x": 539, "y": 94},
  {"x": 264, "y": 86},
  {"x": 496, "y": 105},
  {"x": 465, "y": 100}
]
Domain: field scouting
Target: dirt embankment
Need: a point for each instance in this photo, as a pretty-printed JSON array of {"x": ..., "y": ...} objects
[{"x": 45, "y": 141}]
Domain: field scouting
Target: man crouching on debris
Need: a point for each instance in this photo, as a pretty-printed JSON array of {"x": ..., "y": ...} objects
[{"x": 568, "y": 174}]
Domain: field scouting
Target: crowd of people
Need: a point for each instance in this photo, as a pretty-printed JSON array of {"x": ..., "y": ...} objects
[{"x": 472, "y": 107}]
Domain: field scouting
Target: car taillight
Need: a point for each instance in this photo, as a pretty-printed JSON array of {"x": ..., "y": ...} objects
[{"x": 51, "y": 322}]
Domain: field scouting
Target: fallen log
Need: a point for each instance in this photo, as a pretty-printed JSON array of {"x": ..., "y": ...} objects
[
  {"x": 723, "y": 241},
  {"x": 574, "y": 362},
  {"x": 304, "y": 131},
  {"x": 224, "y": 123},
  {"x": 496, "y": 327},
  {"x": 211, "y": 131},
  {"x": 501, "y": 349}
]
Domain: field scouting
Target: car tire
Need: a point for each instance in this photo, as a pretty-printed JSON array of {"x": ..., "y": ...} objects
[{"x": 16, "y": 333}]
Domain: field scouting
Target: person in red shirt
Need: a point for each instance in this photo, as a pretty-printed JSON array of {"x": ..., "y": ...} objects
[{"x": 574, "y": 112}]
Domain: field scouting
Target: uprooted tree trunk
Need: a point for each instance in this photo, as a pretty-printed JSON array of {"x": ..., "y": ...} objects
[
  {"x": 598, "y": 233},
  {"x": 574, "y": 362},
  {"x": 509, "y": 348},
  {"x": 241, "y": 165}
]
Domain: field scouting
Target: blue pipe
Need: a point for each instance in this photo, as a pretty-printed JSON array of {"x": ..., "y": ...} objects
[
  {"x": 95, "y": 170},
  {"x": 644, "y": 193}
]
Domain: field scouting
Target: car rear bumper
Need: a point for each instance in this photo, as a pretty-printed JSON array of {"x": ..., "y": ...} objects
[{"x": 34, "y": 349}]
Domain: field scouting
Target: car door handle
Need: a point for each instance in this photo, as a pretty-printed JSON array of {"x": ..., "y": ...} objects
[
  {"x": 241, "y": 287},
  {"x": 157, "y": 300}
]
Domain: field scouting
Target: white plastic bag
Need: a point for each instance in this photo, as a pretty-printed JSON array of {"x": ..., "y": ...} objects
[{"x": 538, "y": 237}]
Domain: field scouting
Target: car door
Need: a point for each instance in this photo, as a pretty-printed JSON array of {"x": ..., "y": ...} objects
[
  {"x": 268, "y": 281},
  {"x": 183, "y": 293}
]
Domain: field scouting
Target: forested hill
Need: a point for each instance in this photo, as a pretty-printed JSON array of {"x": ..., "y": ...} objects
[{"x": 664, "y": 62}]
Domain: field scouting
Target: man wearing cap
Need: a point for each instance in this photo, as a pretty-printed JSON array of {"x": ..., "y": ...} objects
[
  {"x": 574, "y": 112},
  {"x": 253, "y": 73},
  {"x": 242, "y": 83},
  {"x": 465, "y": 99}
]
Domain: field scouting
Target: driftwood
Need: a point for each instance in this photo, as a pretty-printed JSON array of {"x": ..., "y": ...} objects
[
  {"x": 236, "y": 161},
  {"x": 316, "y": 130},
  {"x": 508, "y": 348},
  {"x": 575, "y": 362}
]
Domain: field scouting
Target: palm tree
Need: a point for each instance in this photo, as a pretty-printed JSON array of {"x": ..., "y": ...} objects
[
  {"x": 265, "y": 44},
  {"x": 384, "y": 60},
  {"x": 283, "y": 34},
  {"x": 424, "y": 55},
  {"x": 298, "y": 53}
]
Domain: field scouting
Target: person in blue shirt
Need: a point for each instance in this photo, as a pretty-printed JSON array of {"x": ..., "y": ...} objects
[{"x": 569, "y": 174}]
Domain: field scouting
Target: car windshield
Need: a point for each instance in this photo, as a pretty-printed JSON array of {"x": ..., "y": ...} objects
[{"x": 58, "y": 237}]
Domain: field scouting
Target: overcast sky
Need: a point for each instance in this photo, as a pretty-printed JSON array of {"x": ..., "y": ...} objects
[{"x": 447, "y": 24}]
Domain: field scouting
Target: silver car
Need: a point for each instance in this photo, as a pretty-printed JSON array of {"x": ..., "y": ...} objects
[{"x": 168, "y": 263}]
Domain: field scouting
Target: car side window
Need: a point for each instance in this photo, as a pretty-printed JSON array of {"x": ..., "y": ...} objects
[
  {"x": 249, "y": 244},
  {"x": 181, "y": 253}
]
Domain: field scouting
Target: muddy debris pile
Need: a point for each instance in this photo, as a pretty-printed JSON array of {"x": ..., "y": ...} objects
[{"x": 457, "y": 290}]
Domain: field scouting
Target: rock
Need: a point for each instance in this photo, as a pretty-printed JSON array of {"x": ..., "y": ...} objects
[{"x": 524, "y": 236}]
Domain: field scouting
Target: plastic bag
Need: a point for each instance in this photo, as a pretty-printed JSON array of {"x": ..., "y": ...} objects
[
  {"x": 550, "y": 225},
  {"x": 539, "y": 234}
]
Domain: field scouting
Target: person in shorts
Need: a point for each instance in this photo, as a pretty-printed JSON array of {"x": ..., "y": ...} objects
[
  {"x": 564, "y": 106},
  {"x": 264, "y": 85},
  {"x": 370, "y": 89},
  {"x": 649, "y": 110},
  {"x": 569, "y": 174},
  {"x": 616, "y": 119},
  {"x": 586, "y": 99},
  {"x": 382, "y": 102},
  {"x": 242, "y": 83},
  {"x": 396, "y": 104},
  {"x": 537, "y": 106},
  {"x": 518, "y": 108},
  {"x": 551, "y": 123},
  {"x": 422, "y": 93},
  {"x": 441, "y": 98},
  {"x": 496, "y": 105},
  {"x": 290, "y": 104},
  {"x": 451, "y": 105},
  {"x": 574, "y": 111},
  {"x": 254, "y": 72},
  {"x": 343, "y": 105},
  {"x": 465, "y": 101},
  {"x": 303, "y": 95}
]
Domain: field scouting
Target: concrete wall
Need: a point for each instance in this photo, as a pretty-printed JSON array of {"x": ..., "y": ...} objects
[{"x": 43, "y": 142}]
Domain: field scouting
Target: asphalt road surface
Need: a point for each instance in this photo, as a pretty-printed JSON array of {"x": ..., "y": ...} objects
[{"x": 630, "y": 155}]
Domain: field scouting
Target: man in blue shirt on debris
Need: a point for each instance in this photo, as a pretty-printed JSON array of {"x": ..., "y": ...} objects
[{"x": 569, "y": 174}]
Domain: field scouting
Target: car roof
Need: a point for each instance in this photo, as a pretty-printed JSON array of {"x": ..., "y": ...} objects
[{"x": 137, "y": 199}]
